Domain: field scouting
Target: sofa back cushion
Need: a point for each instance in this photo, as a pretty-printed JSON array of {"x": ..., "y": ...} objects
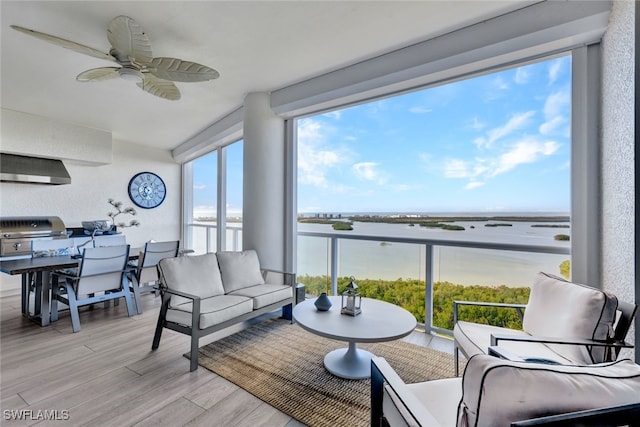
[
  {"x": 197, "y": 275},
  {"x": 496, "y": 392},
  {"x": 561, "y": 309},
  {"x": 239, "y": 270}
]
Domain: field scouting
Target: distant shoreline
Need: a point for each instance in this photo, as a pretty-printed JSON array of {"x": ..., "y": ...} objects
[
  {"x": 413, "y": 218},
  {"x": 431, "y": 220}
]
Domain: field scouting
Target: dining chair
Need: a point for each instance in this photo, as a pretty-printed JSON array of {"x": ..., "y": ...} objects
[
  {"x": 109, "y": 240},
  {"x": 146, "y": 273},
  {"x": 101, "y": 276},
  {"x": 33, "y": 281}
]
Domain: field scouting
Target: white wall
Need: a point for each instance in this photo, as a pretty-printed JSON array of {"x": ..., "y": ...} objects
[
  {"x": 86, "y": 197},
  {"x": 618, "y": 153}
]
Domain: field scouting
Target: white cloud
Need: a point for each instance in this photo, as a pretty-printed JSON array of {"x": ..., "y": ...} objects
[
  {"x": 314, "y": 160},
  {"x": 480, "y": 169},
  {"x": 477, "y": 124},
  {"x": 333, "y": 114},
  {"x": 368, "y": 171},
  {"x": 555, "y": 69},
  {"x": 500, "y": 83},
  {"x": 518, "y": 121},
  {"x": 526, "y": 151},
  {"x": 473, "y": 184},
  {"x": 198, "y": 187},
  {"x": 401, "y": 187},
  {"x": 557, "y": 103},
  {"x": 549, "y": 127},
  {"x": 204, "y": 211},
  {"x": 420, "y": 110},
  {"x": 522, "y": 75},
  {"x": 556, "y": 108},
  {"x": 456, "y": 168}
]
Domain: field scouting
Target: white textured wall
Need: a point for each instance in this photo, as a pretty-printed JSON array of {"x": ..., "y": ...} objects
[
  {"x": 618, "y": 153},
  {"x": 86, "y": 197},
  {"x": 27, "y": 134}
]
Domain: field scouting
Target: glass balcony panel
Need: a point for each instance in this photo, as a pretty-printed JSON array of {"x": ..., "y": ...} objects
[
  {"x": 473, "y": 274},
  {"x": 313, "y": 269},
  {"x": 198, "y": 238},
  {"x": 390, "y": 271},
  {"x": 234, "y": 237}
]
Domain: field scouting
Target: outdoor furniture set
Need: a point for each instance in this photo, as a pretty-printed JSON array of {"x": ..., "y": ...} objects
[{"x": 560, "y": 370}]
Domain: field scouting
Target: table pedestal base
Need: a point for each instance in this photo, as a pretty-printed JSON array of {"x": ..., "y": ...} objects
[{"x": 350, "y": 363}]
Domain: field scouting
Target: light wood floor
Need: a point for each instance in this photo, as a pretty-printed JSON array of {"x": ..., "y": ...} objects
[{"x": 106, "y": 375}]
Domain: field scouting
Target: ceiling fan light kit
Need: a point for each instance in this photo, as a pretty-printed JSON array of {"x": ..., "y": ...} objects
[
  {"x": 130, "y": 74},
  {"x": 131, "y": 49}
]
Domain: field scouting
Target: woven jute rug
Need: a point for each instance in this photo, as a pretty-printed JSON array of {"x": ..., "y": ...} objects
[{"x": 282, "y": 364}]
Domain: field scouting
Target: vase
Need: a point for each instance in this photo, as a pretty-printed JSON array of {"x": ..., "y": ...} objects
[{"x": 323, "y": 303}]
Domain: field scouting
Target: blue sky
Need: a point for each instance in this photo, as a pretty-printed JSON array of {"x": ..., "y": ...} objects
[{"x": 494, "y": 143}]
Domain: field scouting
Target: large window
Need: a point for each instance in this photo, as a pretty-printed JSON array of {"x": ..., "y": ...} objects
[
  {"x": 214, "y": 215},
  {"x": 483, "y": 161}
]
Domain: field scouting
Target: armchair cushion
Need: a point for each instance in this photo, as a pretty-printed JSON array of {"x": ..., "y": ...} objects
[
  {"x": 496, "y": 392},
  {"x": 240, "y": 270},
  {"x": 558, "y": 308},
  {"x": 475, "y": 338},
  {"x": 197, "y": 275}
]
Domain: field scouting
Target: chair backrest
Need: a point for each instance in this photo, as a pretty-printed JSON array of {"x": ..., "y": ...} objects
[
  {"x": 109, "y": 240},
  {"x": 196, "y": 275},
  {"x": 625, "y": 314},
  {"x": 102, "y": 269},
  {"x": 153, "y": 253},
  {"x": 496, "y": 392},
  {"x": 561, "y": 309},
  {"x": 54, "y": 247}
]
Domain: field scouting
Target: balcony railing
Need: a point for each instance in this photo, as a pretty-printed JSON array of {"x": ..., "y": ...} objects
[{"x": 429, "y": 260}]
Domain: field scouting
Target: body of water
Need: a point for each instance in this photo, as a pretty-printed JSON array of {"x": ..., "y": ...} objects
[
  {"x": 468, "y": 266},
  {"x": 365, "y": 259}
]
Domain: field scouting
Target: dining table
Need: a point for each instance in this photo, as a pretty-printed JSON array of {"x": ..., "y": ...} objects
[{"x": 40, "y": 269}]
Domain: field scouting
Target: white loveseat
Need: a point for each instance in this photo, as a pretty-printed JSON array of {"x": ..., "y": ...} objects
[
  {"x": 564, "y": 322},
  {"x": 494, "y": 392},
  {"x": 203, "y": 294}
]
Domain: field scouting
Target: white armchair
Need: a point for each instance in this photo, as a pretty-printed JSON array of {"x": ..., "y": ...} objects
[
  {"x": 495, "y": 392},
  {"x": 565, "y": 322}
]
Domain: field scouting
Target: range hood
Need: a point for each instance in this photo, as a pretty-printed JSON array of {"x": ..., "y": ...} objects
[{"x": 33, "y": 170}]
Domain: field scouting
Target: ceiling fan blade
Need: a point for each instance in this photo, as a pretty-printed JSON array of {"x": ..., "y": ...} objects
[
  {"x": 76, "y": 47},
  {"x": 178, "y": 70},
  {"x": 158, "y": 87},
  {"x": 129, "y": 40},
  {"x": 98, "y": 74}
]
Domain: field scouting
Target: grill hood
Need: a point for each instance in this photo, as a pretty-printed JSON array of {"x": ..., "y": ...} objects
[{"x": 33, "y": 170}]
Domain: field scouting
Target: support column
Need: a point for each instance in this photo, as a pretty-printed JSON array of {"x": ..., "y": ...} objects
[{"x": 263, "y": 205}]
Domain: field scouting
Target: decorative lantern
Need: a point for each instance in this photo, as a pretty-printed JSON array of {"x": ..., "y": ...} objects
[{"x": 351, "y": 299}]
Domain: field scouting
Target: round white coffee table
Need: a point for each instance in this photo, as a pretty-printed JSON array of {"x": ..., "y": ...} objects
[{"x": 379, "y": 321}]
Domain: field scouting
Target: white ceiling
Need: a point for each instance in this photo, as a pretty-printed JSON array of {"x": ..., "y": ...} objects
[{"x": 257, "y": 46}]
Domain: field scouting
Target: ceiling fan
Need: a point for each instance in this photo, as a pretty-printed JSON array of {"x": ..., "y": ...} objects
[{"x": 131, "y": 49}]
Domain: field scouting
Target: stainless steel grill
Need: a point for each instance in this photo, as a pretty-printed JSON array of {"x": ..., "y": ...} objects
[{"x": 17, "y": 233}]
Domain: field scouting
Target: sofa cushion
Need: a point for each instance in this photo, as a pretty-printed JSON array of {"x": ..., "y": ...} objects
[
  {"x": 475, "y": 338},
  {"x": 213, "y": 310},
  {"x": 197, "y": 275},
  {"x": 490, "y": 399},
  {"x": 239, "y": 270},
  {"x": 266, "y": 294},
  {"x": 562, "y": 309}
]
